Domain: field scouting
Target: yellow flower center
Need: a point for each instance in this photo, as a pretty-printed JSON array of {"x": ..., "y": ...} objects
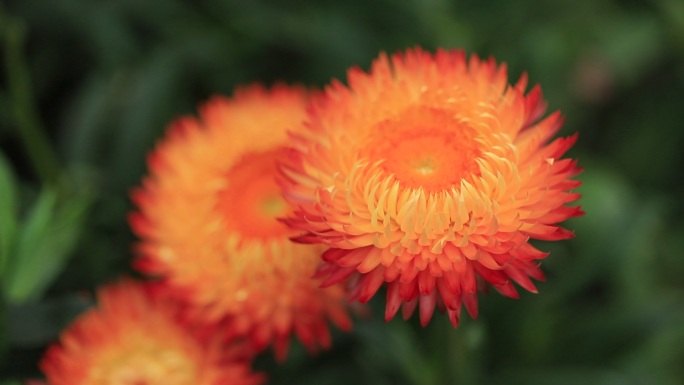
[
  {"x": 425, "y": 148},
  {"x": 144, "y": 362},
  {"x": 251, "y": 201}
]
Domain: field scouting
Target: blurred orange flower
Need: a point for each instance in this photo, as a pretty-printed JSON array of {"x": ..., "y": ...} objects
[
  {"x": 135, "y": 338},
  {"x": 208, "y": 222},
  {"x": 430, "y": 173}
]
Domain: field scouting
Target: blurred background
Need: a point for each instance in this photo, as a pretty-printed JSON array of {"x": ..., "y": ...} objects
[{"x": 87, "y": 87}]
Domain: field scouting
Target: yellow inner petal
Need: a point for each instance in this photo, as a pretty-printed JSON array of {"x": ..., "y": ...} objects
[{"x": 141, "y": 360}]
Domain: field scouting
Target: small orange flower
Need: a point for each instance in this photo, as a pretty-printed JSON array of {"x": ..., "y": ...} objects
[
  {"x": 135, "y": 338},
  {"x": 208, "y": 222},
  {"x": 431, "y": 174}
]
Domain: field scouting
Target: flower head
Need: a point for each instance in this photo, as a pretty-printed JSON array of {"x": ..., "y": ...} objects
[
  {"x": 430, "y": 174},
  {"x": 133, "y": 337},
  {"x": 208, "y": 222}
]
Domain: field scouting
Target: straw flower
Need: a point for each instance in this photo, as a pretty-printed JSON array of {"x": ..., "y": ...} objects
[
  {"x": 132, "y": 337},
  {"x": 207, "y": 219},
  {"x": 430, "y": 175}
]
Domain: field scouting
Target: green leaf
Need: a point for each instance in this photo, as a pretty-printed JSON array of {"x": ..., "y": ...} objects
[
  {"x": 46, "y": 240},
  {"x": 30, "y": 235},
  {"x": 8, "y": 213}
]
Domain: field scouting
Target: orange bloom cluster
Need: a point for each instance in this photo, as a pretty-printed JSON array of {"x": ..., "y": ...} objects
[
  {"x": 133, "y": 337},
  {"x": 430, "y": 174},
  {"x": 208, "y": 223}
]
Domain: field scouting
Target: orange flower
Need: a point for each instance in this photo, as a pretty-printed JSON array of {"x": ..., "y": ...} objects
[
  {"x": 134, "y": 338},
  {"x": 430, "y": 174},
  {"x": 207, "y": 219}
]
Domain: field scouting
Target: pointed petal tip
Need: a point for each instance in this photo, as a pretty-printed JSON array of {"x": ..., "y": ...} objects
[
  {"x": 408, "y": 308},
  {"x": 393, "y": 301},
  {"x": 337, "y": 275},
  {"x": 305, "y": 239},
  {"x": 454, "y": 316}
]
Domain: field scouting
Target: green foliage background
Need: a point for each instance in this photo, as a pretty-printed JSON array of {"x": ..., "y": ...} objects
[{"x": 86, "y": 87}]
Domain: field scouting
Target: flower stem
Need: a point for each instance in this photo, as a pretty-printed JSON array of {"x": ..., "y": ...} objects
[
  {"x": 465, "y": 355},
  {"x": 36, "y": 143}
]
